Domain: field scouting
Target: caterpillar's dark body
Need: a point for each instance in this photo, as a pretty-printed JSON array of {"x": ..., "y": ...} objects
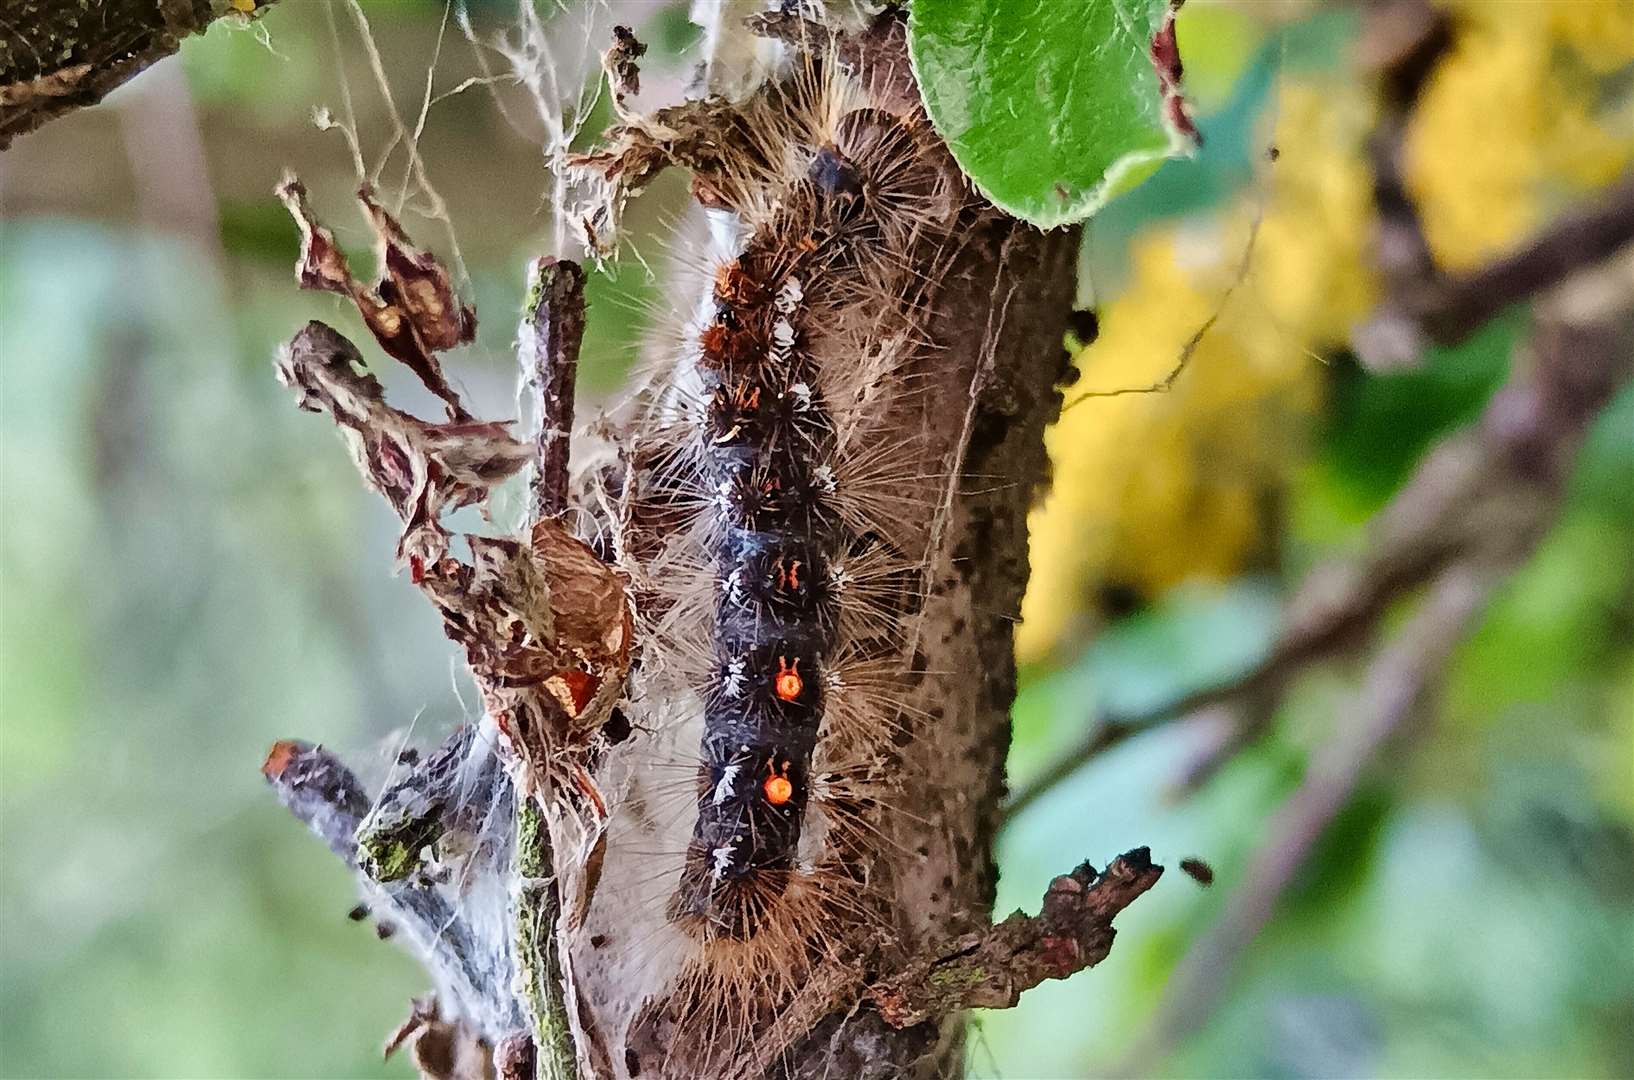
[
  {"x": 767, "y": 441},
  {"x": 776, "y": 513}
]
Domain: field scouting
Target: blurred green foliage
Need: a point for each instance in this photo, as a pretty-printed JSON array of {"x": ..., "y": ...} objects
[{"x": 190, "y": 570}]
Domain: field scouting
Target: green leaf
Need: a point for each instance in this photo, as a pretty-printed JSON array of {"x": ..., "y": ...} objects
[{"x": 1051, "y": 108}]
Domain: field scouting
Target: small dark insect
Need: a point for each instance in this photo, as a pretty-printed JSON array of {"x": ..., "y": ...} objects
[
  {"x": 1272, "y": 153},
  {"x": 1199, "y": 871},
  {"x": 384, "y": 930},
  {"x": 358, "y": 913},
  {"x": 1085, "y": 326}
]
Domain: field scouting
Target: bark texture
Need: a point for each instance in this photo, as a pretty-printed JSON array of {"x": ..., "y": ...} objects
[
  {"x": 998, "y": 324},
  {"x": 60, "y": 55}
]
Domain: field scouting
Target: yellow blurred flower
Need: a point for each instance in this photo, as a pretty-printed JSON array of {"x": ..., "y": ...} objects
[
  {"x": 1519, "y": 120},
  {"x": 1152, "y": 489}
]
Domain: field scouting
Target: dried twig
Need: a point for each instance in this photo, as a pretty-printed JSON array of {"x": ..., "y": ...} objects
[
  {"x": 990, "y": 969},
  {"x": 324, "y": 794},
  {"x": 551, "y": 332}
]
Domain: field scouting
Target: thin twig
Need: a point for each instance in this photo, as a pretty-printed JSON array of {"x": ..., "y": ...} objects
[
  {"x": 549, "y": 337},
  {"x": 551, "y": 332},
  {"x": 990, "y": 969},
  {"x": 325, "y": 795}
]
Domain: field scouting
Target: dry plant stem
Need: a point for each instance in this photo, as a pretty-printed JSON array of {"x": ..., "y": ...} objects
[
  {"x": 57, "y": 56},
  {"x": 552, "y": 330},
  {"x": 991, "y": 969},
  {"x": 323, "y": 794},
  {"x": 550, "y": 335},
  {"x": 538, "y": 957}
]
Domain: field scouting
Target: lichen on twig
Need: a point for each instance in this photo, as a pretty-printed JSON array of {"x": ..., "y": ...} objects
[{"x": 990, "y": 969}]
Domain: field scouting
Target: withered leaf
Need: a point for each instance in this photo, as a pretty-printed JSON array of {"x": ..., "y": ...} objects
[
  {"x": 410, "y": 309},
  {"x": 421, "y": 469}
]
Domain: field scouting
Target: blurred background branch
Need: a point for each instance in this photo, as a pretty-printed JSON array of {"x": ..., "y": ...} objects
[{"x": 1473, "y": 512}]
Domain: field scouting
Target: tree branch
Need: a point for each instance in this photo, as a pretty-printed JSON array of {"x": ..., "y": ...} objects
[
  {"x": 991, "y": 969},
  {"x": 325, "y": 795},
  {"x": 550, "y": 335},
  {"x": 62, "y": 56}
]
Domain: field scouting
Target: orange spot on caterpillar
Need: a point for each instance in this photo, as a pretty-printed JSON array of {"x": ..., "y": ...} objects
[
  {"x": 788, "y": 682},
  {"x": 713, "y": 340},
  {"x": 724, "y": 346},
  {"x": 779, "y": 790},
  {"x": 788, "y": 578}
]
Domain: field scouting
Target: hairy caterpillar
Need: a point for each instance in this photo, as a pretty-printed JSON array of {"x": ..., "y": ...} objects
[{"x": 774, "y": 518}]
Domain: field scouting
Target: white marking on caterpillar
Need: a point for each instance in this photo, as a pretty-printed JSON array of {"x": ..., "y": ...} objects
[
  {"x": 802, "y": 397},
  {"x": 823, "y": 477},
  {"x": 789, "y": 296},
  {"x": 729, "y": 776},
  {"x": 723, "y": 859},
  {"x": 839, "y": 578},
  {"x": 733, "y": 687}
]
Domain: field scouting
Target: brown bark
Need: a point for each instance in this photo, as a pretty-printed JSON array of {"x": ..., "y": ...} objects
[
  {"x": 60, "y": 55},
  {"x": 997, "y": 330}
]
